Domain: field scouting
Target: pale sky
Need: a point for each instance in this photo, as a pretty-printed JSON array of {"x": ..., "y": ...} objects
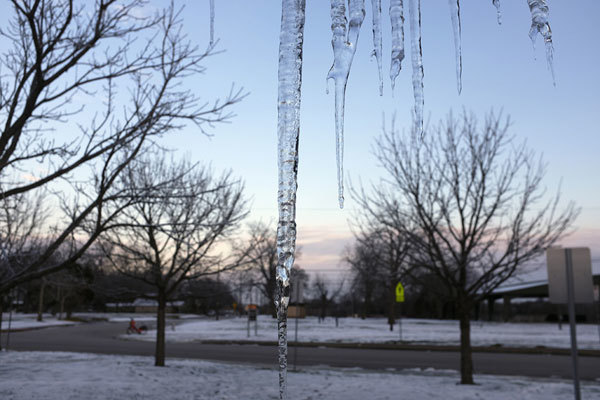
[{"x": 500, "y": 71}]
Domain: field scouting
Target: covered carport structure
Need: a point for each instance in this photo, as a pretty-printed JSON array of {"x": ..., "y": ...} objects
[{"x": 532, "y": 289}]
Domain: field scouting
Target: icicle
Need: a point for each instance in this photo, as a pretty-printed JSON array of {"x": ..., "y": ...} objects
[
  {"x": 498, "y": 12},
  {"x": 377, "y": 40},
  {"x": 288, "y": 130},
  {"x": 344, "y": 46},
  {"x": 397, "y": 22},
  {"x": 539, "y": 23},
  {"x": 212, "y": 22},
  {"x": 456, "y": 28},
  {"x": 414, "y": 7}
]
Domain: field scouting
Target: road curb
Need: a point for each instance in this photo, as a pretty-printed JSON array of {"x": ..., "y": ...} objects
[
  {"x": 36, "y": 328},
  {"x": 418, "y": 347}
]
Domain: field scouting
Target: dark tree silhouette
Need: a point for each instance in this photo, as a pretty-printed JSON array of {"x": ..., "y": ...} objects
[
  {"x": 388, "y": 249},
  {"x": 474, "y": 205},
  {"x": 175, "y": 231},
  {"x": 85, "y": 86},
  {"x": 262, "y": 259},
  {"x": 325, "y": 293}
]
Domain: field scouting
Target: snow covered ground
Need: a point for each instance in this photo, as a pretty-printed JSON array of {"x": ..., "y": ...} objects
[
  {"x": 124, "y": 317},
  {"x": 65, "y": 376},
  {"x": 376, "y": 330},
  {"x": 29, "y": 321}
]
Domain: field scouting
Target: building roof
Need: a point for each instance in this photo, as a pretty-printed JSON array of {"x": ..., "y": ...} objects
[{"x": 537, "y": 288}]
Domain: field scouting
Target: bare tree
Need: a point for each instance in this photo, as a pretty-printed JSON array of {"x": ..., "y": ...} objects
[
  {"x": 22, "y": 220},
  {"x": 262, "y": 259},
  {"x": 475, "y": 204},
  {"x": 70, "y": 286},
  {"x": 362, "y": 259},
  {"x": 325, "y": 293},
  {"x": 85, "y": 86},
  {"x": 174, "y": 232},
  {"x": 389, "y": 248}
]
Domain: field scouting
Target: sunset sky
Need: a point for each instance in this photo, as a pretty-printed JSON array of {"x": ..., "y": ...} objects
[{"x": 501, "y": 71}]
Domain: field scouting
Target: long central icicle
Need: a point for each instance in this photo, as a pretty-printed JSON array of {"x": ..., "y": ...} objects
[
  {"x": 414, "y": 8},
  {"x": 291, "y": 39},
  {"x": 344, "y": 46},
  {"x": 457, "y": 32}
]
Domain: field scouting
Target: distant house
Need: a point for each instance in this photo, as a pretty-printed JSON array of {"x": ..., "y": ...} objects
[{"x": 143, "y": 306}]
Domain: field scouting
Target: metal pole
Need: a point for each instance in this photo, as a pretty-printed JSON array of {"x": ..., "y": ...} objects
[
  {"x": 597, "y": 299},
  {"x": 9, "y": 321},
  {"x": 296, "y": 343},
  {"x": 559, "y": 317},
  {"x": 400, "y": 321},
  {"x": 256, "y": 325},
  {"x": 598, "y": 318},
  {"x": 571, "y": 297},
  {"x": 248, "y": 323}
]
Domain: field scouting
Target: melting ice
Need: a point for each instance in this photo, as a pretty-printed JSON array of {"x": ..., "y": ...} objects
[
  {"x": 377, "y": 40},
  {"x": 539, "y": 24},
  {"x": 456, "y": 30},
  {"x": 498, "y": 12},
  {"x": 344, "y": 40},
  {"x": 288, "y": 130},
  {"x": 397, "y": 22},
  {"x": 414, "y": 8}
]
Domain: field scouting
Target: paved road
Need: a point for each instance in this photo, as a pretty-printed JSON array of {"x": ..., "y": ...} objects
[{"x": 102, "y": 338}]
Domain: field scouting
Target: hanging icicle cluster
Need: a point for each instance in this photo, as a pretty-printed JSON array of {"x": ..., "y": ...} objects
[{"x": 345, "y": 38}]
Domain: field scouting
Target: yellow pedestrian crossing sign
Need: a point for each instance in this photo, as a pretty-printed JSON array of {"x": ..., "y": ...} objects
[{"x": 399, "y": 293}]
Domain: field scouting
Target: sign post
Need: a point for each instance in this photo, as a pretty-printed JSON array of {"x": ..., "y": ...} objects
[
  {"x": 571, "y": 299},
  {"x": 597, "y": 300},
  {"x": 570, "y": 281},
  {"x": 296, "y": 298},
  {"x": 252, "y": 316},
  {"x": 400, "y": 299}
]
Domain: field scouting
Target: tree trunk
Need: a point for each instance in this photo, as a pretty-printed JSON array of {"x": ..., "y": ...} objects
[
  {"x": 367, "y": 302},
  {"x": 41, "y": 303},
  {"x": 62, "y": 306},
  {"x": 159, "y": 355},
  {"x": 1, "y": 310},
  {"x": 466, "y": 356},
  {"x": 271, "y": 294},
  {"x": 323, "y": 313}
]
